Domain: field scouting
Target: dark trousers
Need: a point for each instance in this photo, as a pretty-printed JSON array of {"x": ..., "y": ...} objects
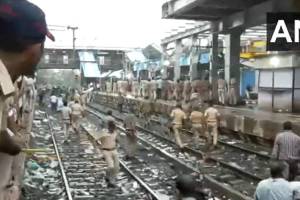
[
  {"x": 293, "y": 169},
  {"x": 120, "y": 107},
  {"x": 158, "y": 92},
  {"x": 53, "y": 107}
]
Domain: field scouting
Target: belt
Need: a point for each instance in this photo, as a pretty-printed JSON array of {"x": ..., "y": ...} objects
[{"x": 107, "y": 149}]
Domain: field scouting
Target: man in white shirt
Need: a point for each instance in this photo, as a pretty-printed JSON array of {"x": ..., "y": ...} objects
[
  {"x": 53, "y": 102},
  {"x": 275, "y": 187},
  {"x": 212, "y": 116}
]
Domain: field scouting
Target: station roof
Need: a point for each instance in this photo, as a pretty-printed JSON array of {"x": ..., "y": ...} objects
[
  {"x": 90, "y": 70},
  {"x": 209, "y": 10}
]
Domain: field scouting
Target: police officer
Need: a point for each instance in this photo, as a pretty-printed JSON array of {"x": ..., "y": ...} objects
[
  {"x": 120, "y": 102},
  {"x": 178, "y": 90},
  {"x": 77, "y": 113},
  {"x": 108, "y": 141},
  {"x": 187, "y": 90},
  {"x": 21, "y": 47},
  {"x": 221, "y": 91},
  {"x": 197, "y": 120},
  {"x": 212, "y": 116},
  {"x": 232, "y": 92},
  {"x": 178, "y": 116},
  {"x": 131, "y": 134}
]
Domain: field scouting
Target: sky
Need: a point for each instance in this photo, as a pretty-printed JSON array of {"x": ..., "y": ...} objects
[{"x": 107, "y": 23}]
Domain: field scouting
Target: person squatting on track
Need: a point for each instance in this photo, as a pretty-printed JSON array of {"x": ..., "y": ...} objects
[
  {"x": 108, "y": 141},
  {"x": 178, "y": 117}
]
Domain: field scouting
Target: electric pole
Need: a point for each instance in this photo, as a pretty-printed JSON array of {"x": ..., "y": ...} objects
[{"x": 74, "y": 40}]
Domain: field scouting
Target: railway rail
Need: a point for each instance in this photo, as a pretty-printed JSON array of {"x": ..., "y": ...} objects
[
  {"x": 226, "y": 180},
  {"x": 237, "y": 156},
  {"x": 82, "y": 169},
  {"x": 154, "y": 171}
]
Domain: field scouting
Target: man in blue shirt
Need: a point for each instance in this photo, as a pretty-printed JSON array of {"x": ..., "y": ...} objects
[{"x": 275, "y": 187}]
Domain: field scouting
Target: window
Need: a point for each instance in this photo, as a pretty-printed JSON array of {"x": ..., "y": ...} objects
[
  {"x": 46, "y": 58},
  {"x": 65, "y": 59},
  {"x": 101, "y": 60}
]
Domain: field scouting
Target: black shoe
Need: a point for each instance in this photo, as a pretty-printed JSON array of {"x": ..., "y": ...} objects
[{"x": 111, "y": 185}]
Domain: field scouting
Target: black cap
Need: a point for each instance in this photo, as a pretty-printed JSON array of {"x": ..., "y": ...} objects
[{"x": 24, "y": 21}]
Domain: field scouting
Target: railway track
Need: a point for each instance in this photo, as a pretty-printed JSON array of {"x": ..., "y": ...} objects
[
  {"x": 82, "y": 170},
  {"x": 156, "y": 171},
  {"x": 236, "y": 156},
  {"x": 227, "y": 181}
]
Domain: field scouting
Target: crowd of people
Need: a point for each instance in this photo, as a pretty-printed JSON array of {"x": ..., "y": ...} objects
[{"x": 180, "y": 90}]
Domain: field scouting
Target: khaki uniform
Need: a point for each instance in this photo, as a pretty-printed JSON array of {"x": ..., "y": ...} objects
[
  {"x": 83, "y": 100},
  {"x": 211, "y": 114},
  {"x": 77, "y": 111},
  {"x": 221, "y": 91},
  {"x": 146, "y": 89},
  {"x": 135, "y": 88},
  {"x": 196, "y": 118},
  {"x": 120, "y": 103},
  {"x": 77, "y": 97},
  {"x": 178, "y": 91},
  {"x": 170, "y": 90},
  {"x": 109, "y": 150},
  {"x": 153, "y": 95},
  {"x": 178, "y": 116},
  {"x": 131, "y": 138},
  {"x": 232, "y": 92},
  {"x": 28, "y": 104},
  {"x": 187, "y": 90},
  {"x": 6, "y": 89},
  {"x": 66, "y": 113}
]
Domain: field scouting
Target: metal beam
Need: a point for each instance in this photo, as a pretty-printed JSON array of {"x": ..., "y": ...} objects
[
  {"x": 255, "y": 15},
  {"x": 186, "y": 33},
  {"x": 177, "y": 6}
]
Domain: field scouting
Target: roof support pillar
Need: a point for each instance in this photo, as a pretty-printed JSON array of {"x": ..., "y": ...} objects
[
  {"x": 232, "y": 59},
  {"x": 213, "y": 75},
  {"x": 194, "y": 58},
  {"x": 178, "y": 53}
]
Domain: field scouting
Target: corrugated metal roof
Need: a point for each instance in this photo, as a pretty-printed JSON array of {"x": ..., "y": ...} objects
[
  {"x": 86, "y": 56},
  {"x": 136, "y": 56},
  {"x": 90, "y": 70}
]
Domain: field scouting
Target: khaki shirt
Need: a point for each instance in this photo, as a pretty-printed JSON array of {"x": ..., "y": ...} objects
[
  {"x": 77, "y": 109},
  {"x": 178, "y": 116},
  {"x": 211, "y": 114},
  {"x": 221, "y": 84},
  {"x": 7, "y": 89},
  {"x": 108, "y": 140},
  {"x": 196, "y": 117}
]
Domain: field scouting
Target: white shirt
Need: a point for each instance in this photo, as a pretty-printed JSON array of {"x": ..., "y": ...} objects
[
  {"x": 53, "y": 99},
  {"x": 274, "y": 189}
]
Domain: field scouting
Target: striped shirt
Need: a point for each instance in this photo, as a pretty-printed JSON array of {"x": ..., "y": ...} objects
[{"x": 287, "y": 146}]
